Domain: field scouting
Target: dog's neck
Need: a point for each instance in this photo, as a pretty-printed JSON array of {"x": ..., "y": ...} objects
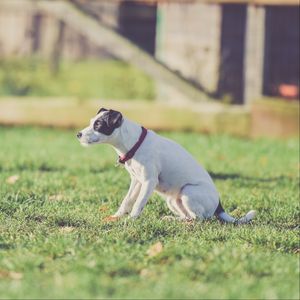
[{"x": 128, "y": 135}]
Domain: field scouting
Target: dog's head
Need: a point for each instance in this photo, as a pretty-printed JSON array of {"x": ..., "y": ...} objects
[{"x": 102, "y": 128}]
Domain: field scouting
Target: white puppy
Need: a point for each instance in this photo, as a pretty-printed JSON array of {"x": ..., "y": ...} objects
[{"x": 157, "y": 164}]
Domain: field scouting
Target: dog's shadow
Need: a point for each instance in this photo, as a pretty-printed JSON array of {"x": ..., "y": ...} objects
[{"x": 248, "y": 180}]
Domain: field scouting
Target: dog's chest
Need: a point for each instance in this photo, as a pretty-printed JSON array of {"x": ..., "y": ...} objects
[{"x": 133, "y": 169}]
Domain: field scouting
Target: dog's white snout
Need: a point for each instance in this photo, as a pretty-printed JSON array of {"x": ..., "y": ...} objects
[{"x": 79, "y": 134}]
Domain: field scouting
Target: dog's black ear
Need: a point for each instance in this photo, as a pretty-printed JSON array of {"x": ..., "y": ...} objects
[
  {"x": 115, "y": 118},
  {"x": 101, "y": 109}
]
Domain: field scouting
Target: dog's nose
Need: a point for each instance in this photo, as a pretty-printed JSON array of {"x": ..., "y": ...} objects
[{"x": 79, "y": 134}]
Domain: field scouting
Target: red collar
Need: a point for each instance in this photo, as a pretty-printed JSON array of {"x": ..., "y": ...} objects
[{"x": 132, "y": 151}]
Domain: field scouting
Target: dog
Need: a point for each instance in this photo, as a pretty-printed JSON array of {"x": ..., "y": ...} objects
[{"x": 156, "y": 163}]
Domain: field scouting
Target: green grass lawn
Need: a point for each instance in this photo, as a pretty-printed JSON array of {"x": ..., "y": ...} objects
[{"x": 54, "y": 243}]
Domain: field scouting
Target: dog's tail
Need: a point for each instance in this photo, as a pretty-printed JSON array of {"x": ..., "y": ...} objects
[{"x": 224, "y": 217}]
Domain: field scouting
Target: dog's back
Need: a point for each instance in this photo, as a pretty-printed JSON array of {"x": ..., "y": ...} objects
[{"x": 176, "y": 166}]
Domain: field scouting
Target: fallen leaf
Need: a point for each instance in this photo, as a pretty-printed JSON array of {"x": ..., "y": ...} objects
[
  {"x": 146, "y": 273},
  {"x": 111, "y": 219},
  {"x": 103, "y": 208},
  {"x": 57, "y": 197},
  {"x": 66, "y": 229},
  {"x": 12, "y": 179},
  {"x": 15, "y": 275},
  {"x": 11, "y": 275},
  {"x": 155, "y": 249}
]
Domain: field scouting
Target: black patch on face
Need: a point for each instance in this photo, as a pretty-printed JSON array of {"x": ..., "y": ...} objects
[{"x": 108, "y": 122}]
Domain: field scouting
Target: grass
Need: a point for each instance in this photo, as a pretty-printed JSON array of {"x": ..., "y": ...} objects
[
  {"x": 54, "y": 243},
  {"x": 109, "y": 79}
]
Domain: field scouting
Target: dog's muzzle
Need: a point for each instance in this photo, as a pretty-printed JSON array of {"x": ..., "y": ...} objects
[{"x": 79, "y": 135}]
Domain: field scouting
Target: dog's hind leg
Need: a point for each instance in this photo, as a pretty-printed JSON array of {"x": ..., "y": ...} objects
[
  {"x": 198, "y": 201},
  {"x": 176, "y": 206},
  {"x": 171, "y": 203}
]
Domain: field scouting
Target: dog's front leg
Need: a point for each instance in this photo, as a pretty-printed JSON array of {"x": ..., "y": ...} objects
[
  {"x": 129, "y": 199},
  {"x": 147, "y": 189}
]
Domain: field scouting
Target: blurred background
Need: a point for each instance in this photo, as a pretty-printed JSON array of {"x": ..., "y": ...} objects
[{"x": 212, "y": 66}]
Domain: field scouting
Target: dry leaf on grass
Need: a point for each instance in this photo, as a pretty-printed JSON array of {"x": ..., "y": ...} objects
[
  {"x": 56, "y": 197},
  {"x": 146, "y": 273},
  {"x": 15, "y": 275},
  {"x": 103, "y": 208},
  {"x": 111, "y": 219},
  {"x": 155, "y": 249},
  {"x": 66, "y": 229},
  {"x": 12, "y": 179},
  {"x": 11, "y": 275}
]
